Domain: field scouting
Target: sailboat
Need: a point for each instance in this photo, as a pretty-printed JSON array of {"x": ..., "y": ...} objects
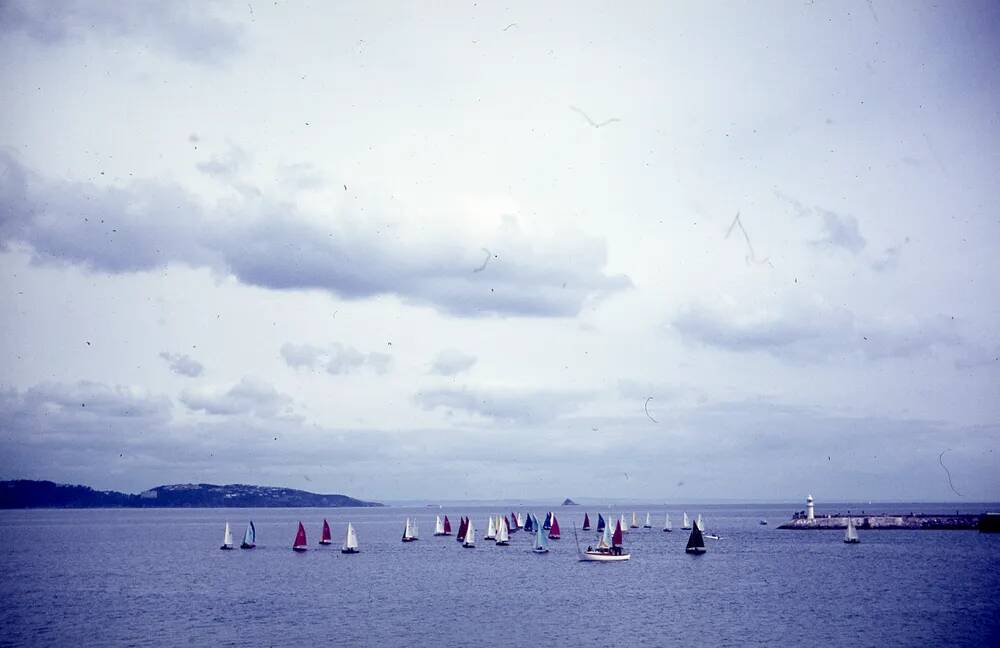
[
  {"x": 609, "y": 547},
  {"x": 469, "y": 542},
  {"x": 520, "y": 521},
  {"x": 300, "y": 539},
  {"x": 762, "y": 522},
  {"x": 696, "y": 544},
  {"x": 648, "y": 524},
  {"x": 601, "y": 524},
  {"x": 623, "y": 523},
  {"x": 350, "y": 545},
  {"x": 548, "y": 521},
  {"x": 410, "y": 531},
  {"x": 326, "y": 538},
  {"x": 586, "y": 522},
  {"x": 503, "y": 533},
  {"x": 541, "y": 545},
  {"x": 515, "y": 524},
  {"x": 686, "y": 523},
  {"x": 227, "y": 539},
  {"x": 249, "y": 537},
  {"x": 447, "y": 526},
  {"x": 491, "y": 531},
  {"x": 851, "y": 534},
  {"x": 438, "y": 526},
  {"x": 527, "y": 523},
  {"x": 554, "y": 528},
  {"x": 667, "y": 528},
  {"x": 463, "y": 525},
  {"x": 635, "y": 521}
]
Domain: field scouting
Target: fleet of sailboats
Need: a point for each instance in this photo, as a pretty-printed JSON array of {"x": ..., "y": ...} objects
[
  {"x": 227, "y": 539},
  {"x": 350, "y": 545}
]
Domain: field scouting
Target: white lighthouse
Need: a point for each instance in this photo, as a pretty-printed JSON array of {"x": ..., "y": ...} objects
[{"x": 810, "y": 510}]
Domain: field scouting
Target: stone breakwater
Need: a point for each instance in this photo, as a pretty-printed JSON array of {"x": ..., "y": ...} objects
[{"x": 887, "y": 521}]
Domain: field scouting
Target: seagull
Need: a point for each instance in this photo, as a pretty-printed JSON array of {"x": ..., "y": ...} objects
[{"x": 591, "y": 121}]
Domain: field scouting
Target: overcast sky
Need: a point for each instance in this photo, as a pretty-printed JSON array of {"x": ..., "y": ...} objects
[{"x": 485, "y": 250}]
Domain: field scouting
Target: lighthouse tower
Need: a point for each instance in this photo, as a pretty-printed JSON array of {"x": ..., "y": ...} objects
[{"x": 810, "y": 510}]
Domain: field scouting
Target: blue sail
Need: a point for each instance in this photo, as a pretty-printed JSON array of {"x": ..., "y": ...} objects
[
  {"x": 548, "y": 521},
  {"x": 600, "y": 522},
  {"x": 527, "y": 523}
]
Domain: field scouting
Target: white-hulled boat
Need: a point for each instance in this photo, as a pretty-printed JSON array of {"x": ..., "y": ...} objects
[
  {"x": 469, "y": 542},
  {"x": 609, "y": 547},
  {"x": 685, "y": 522},
  {"x": 350, "y": 545},
  {"x": 667, "y": 527},
  {"x": 851, "y": 534},
  {"x": 648, "y": 524},
  {"x": 227, "y": 539},
  {"x": 249, "y": 537}
]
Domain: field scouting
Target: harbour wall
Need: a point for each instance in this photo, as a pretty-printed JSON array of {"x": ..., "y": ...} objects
[{"x": 887, "y": 521}]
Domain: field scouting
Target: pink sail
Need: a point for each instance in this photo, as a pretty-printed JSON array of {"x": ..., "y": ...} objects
[
  {"x": 326, "y": 539},
  {"x": 616, "y": 539},
  {"x": 447, "y": 525},
  {"x": 300, "y": 538},
  {"x": 554, "y": 529}
]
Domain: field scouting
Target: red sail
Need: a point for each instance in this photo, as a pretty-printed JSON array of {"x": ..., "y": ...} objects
[
  {"x": 586, "y": 522},
  {"x": 300, "y": 537},
  {"x": 554, "y": 529},
  {"x": 616, "y": 539},
  {"x": 463, "y": 526},
  {"x": 513, "y": 519},
  {"x": 447, "y": 525},
  {"x": 326, "y": 533}
]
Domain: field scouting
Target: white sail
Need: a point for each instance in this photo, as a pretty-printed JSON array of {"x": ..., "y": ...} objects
[
  {"x": 624, "y": 523},
  {"x": 250, "y": 535},
  {"x": 666, "y": 523},
  {"x": 502, "y": 534},
  {"x": 701, "y": 525},
  {"x": 470, "y": 535},
  {"x": 227, "y": 537},
  {"x": 685, "y": 523},
  {"x": 438, "y": 525},
  {"x": 414, "y": 529},
  {"x": 520, "y": 520},
  {"x": 851, "y": 534},
  {"x": 408, "y": 530},
  {"x": 351, "y": 542},
  {"x": 635, "y": 520},
  {"x": 491, "y": 531},
  {"x": 649, "y": 523},
  {"x": 604, "y": 542}
]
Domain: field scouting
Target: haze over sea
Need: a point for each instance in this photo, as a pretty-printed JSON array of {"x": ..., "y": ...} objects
[{"x": 157, "y": 577}]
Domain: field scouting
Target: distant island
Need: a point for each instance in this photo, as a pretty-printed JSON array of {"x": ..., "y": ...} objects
[
  {"x": 26, "y": 493},
  {"x": 568, "y": 502}
]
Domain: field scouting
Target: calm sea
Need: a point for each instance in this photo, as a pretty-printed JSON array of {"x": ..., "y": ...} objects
[{"x": 157, "y": 577}]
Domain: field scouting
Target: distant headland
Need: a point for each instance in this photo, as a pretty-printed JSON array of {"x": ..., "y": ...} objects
[
  {"x": 26, "y": 493},
  {"x": 568, "y": 502}
]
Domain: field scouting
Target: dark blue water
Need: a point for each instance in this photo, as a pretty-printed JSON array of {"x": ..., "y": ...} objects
[{"x": 155, "y": 577}]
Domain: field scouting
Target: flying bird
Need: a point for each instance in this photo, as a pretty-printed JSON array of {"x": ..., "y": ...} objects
[
  {"x": 509, "y": 26},
  {"x": 591, "y": 121}
]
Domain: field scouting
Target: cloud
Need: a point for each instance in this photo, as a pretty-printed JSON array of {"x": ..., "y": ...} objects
[
  {"x": 334, "y": 358},
  {"x": 451, "y": 361},
  {"x": 811, "y": 330},
  {"x": 183, "y": 364},
  {"x": 181, "y": 29},
  {"x": 840, "y": 232},
  {"x": 146, "y": 225},
  {"x": 502, "y": 405},
  {"x": 249, "y": 396}
]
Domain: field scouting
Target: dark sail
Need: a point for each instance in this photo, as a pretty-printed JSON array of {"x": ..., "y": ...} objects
[
  {"x": 695, "y": 542},
  {"x": 447, "y": 525},
  {"x": 617, "y": 538},
  {"x": 600, "y": 522},
  {"x": 548, "y": 521},
  {"x": 463, "y": 526},
  {"x": 528, "y": 526}
]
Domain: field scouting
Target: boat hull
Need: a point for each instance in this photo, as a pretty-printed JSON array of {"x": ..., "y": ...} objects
[
  {"x": 226, "y": 547},
  {"x": 590, "y": 556},
  {"x": 349, "y": 551},
  {"x": 695, "y": 550},
  {"x": 502, "y": 543},
  {"x": 852, "y": 541},
  {"x": 466, "y": 545},
  {"x": 442, "y": 534},
  {"x": 410, "y": 539},
  {"x": 668, "y": 530},
  {"x": 553, "y": 537},
  {"x": 540, "y": 551},
  {"x": 247, "y": 546},
  {"x": 325, "y": 542},
  {"x": 300, "y": 548}
]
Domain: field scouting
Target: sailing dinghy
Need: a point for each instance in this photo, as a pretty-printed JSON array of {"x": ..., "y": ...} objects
[
  {"x": 851, "y": 534},
  {"x": 554, "y": 528},
  {"x": 300, "y": 539},
  {"x": 503, "y": 533},
  {"x": 600, "y": 523},
  {"x": 249, "y": 537},
  {"x": 350, "y": 545},
  {"x": 410, "y": 531},
  {"x": 469, "y": 541},
  {"x": 635, "y": 521},
  {"x": 463, "y": 524},
  {"x": 491, "y": 530},
  {"x": 624, "y": 524},
  {"x": 696, "y": 544},
  {"x": 326, "y": 538},
  {"x": 438, "y": 526},
  {"x": 586, "y": 522},
  {"x": 648, "y": 524},
  {"x": 227, "y": 539},
  {"x": 447, "y": 526},
  {"x": 541, "y": 545},
  {"x": 667, "y": 528},
  {"x": 685, "y": 522},
  {"x": 548, "y": 521}
]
